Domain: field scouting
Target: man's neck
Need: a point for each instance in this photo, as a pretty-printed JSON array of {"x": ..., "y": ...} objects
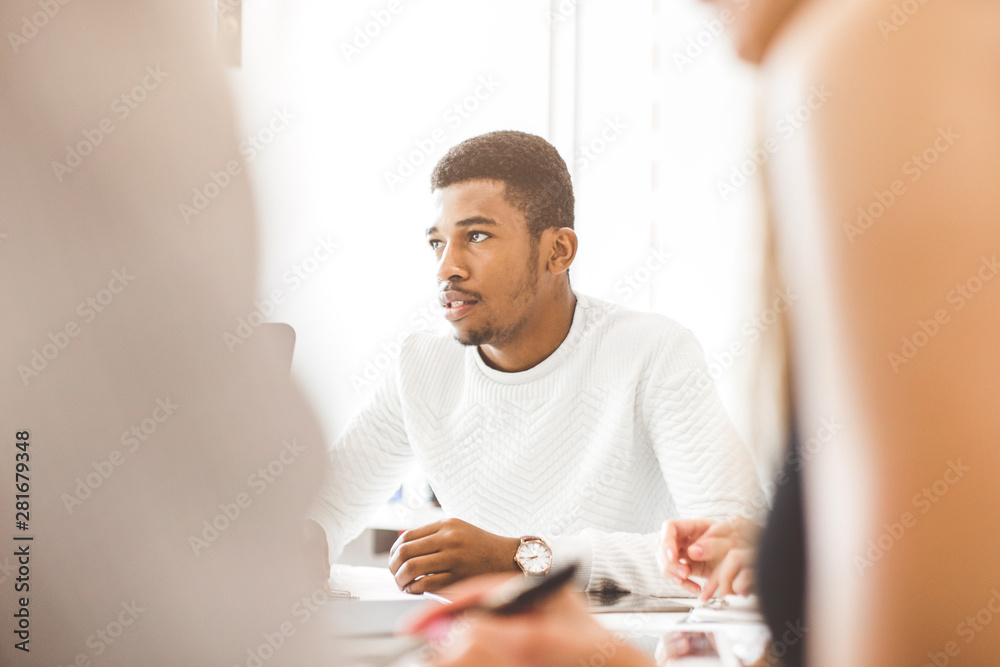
[{"x": 542, "y": 335}]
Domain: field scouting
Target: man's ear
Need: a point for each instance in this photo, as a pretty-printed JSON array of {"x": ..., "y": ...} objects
[{"x": 561, "y": 244}]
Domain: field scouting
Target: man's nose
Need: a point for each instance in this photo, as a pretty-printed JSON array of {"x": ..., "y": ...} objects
[{"x": 452, "y": 265}]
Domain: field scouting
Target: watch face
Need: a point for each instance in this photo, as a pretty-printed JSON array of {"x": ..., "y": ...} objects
[{"x": 534, "y": 557}]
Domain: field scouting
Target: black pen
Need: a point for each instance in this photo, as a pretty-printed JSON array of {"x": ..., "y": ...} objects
[{"x": 517, "y": 596}]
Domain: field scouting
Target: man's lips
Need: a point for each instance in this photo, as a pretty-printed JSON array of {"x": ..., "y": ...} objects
[
  {"x": 457, "y": 304},
  {"x": 456, "y": 310}
]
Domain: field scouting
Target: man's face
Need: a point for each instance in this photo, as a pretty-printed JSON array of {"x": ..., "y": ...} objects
[{"x": 487, "y": 262}]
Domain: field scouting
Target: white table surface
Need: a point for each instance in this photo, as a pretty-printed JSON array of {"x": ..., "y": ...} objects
[{"x": 746, "y": 639}]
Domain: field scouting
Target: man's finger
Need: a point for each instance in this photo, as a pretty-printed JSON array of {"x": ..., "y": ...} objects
[
  {"x": 419, "y": 567},
  {"x": 415, "y": 534},
  {"x": 431, "y": 583},
  {"x": 420, "y": 547}
]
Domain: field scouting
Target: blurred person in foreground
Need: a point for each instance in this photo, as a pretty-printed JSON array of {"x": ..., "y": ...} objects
[
  {"x": 885, "y": 212},
  {"x": 136, "y": 431}
]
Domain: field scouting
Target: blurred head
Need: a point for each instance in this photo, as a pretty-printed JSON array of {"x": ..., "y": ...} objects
[
  {"x": 503, "y": 235},
  {"x": 755, "y": 24}
]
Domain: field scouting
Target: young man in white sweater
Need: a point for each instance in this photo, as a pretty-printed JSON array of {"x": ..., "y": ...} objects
[{"x": 553, "y": 427}]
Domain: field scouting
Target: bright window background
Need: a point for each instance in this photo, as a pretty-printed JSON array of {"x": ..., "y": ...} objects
[{"x": 647, "y": 137}]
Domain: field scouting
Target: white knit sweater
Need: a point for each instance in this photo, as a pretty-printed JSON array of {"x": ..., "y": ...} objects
[{"x": 619, "y": 429}]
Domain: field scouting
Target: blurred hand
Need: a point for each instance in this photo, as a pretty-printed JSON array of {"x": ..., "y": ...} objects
[
  {"x": 445, "y": 552},
  {"x": 317, "y": 554},
  {"x": 560, "y": 631},
  {"x": 722, "y": 552}
]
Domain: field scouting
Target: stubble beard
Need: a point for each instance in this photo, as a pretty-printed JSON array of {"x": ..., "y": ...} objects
[{"x": 490, "y": 333}]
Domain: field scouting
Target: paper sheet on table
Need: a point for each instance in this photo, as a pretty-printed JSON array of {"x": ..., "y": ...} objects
[
  {"x": 376, "y": 605},
  {"x": 367, "y": 583}
]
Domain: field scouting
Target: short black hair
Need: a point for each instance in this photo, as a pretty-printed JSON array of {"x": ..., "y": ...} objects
[{"x": 535, "y": 175}]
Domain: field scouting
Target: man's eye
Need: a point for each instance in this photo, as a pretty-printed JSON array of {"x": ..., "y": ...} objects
[
  {"x": 478, "y": 237},
  {"x": 435, "y": 244}
]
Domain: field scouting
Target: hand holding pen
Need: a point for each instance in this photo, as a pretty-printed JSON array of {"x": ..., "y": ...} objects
[{"x": 519, "y": 621}]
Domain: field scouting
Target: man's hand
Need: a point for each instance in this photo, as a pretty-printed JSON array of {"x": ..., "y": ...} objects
[
  {"x": 444, "y": 552},
  {"x": 317, "y": 554},
  {"x": 722, "y": 552}
]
